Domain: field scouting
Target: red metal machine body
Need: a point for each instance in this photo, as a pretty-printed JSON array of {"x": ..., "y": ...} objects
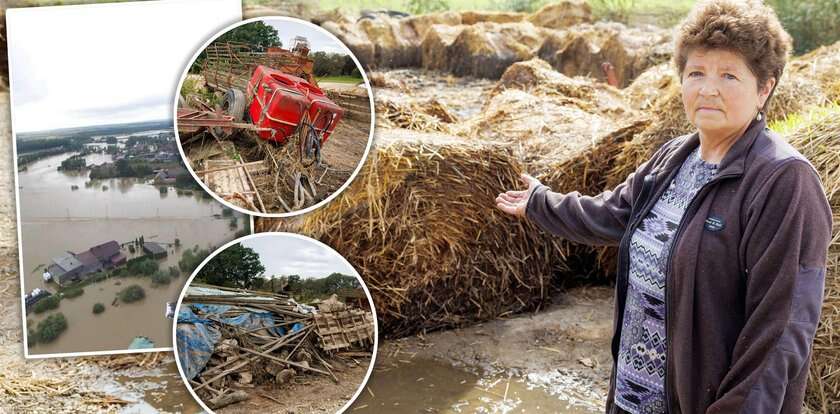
[{"x": 279, "y": 102}]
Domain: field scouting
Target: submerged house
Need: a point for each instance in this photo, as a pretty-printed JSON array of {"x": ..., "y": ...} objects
[
  {"x": 70, "y": 267},
  {"x": 154, "y": 249},
  {"x": 109, "y": 254},
  {"x": 66, "y": 268}
]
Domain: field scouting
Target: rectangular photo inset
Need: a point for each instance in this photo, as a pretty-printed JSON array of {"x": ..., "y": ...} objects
[{"x": 110, "y": 222}]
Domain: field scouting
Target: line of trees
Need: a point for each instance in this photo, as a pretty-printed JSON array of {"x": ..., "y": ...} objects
[
  {"x": 307, "y": 289},
  {"x": 334, "y": 64}
]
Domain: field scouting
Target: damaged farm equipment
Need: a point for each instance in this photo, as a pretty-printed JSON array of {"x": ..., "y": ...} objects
[{"x": 273, "y": 99}]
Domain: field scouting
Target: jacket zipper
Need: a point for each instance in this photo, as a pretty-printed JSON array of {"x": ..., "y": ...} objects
[{"x": 688, "y": 212}]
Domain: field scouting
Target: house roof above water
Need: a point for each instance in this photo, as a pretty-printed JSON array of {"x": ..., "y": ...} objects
[{"x": 67, "y": 262}]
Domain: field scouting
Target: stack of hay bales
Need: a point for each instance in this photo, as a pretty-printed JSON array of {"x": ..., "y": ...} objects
[
  {"x": 822, "y": 65},
  {"x": 562, "y": 14},
  {"x": 396, "y": 42},
  {"x": 581, "y": 50},
  {"x": 419, "y": 223},
  {"x": 470, "y": 43},
  {"x": 817, "y": 136},
  {"x": 354, "y": 38},
  {"x": 486, "y": 49},
  {"x": 437, "y": 41},
  {"x": 470, "y": 17}
]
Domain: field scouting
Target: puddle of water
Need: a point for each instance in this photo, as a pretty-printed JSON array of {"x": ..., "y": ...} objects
[{"x": 427, "y": 386}]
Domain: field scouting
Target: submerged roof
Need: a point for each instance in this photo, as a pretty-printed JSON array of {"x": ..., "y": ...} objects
[
  {"x": 67, "y": 262},
  {"x": 154, "y": 248},
  {"x": 105, "y": 250}
]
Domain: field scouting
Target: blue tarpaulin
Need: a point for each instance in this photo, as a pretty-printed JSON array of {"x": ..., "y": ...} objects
[{"x": 196, "y": 336}]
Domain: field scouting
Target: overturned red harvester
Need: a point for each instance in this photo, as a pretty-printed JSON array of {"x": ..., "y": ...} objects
[{"x": 272, "y": 94}]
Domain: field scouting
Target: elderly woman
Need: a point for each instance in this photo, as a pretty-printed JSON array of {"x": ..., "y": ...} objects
[{"x": 722, "y": 236}]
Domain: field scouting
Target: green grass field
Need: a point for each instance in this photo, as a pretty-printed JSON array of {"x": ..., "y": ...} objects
[{"x": 340, "y": 79}]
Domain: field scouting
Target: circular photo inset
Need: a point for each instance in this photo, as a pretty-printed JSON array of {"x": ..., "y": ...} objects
[
  {"x": 275, "y": 322},
  {"x": 274, "y": 116}
]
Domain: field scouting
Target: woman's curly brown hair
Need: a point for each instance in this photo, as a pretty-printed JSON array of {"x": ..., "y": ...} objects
[{"x": 747, "y": 27}]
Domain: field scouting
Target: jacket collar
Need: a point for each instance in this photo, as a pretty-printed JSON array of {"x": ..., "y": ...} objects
[{"x": 734, "y": 160}]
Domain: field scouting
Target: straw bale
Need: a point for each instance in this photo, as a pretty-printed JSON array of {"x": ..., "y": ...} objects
[
  {"x": 542, "y": 129},
  {"x": 332, "y": 15},
  {"x": 355, "y": 39},
  {"x": 822, "y": 65},
  {"x": 545, "y": 115},
  {"x": 430, "y": 115},
  {"x": 563, "y": 14},
  {"x": 818, "y": 138},
  {"x": 422, "y": 23},
  {"x": 536, "y": 75},
  {"x": 795, "y": 94},
  {"x": 648, "y": 87},
  {"x": 419, "y": 223},
  {"x": 582, "y": 49},
  {"x": 485, "y": 50},
  {"x": 436, "y": 43},
  {"x": 396, "y": 43},
  {"x": 471, "y": 17}
]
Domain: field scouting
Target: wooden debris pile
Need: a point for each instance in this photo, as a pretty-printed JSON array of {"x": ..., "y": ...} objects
[{"x": 230, "y": 341}]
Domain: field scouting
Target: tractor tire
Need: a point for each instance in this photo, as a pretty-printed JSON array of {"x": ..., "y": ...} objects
[{"x": 234, "y": 104}]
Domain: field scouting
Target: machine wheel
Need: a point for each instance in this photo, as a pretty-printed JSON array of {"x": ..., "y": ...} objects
[
  {"x": 309, "y": 143},
  {"x": 234, "y": 104}
]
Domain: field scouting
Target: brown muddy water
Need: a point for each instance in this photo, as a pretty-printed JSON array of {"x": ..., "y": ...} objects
[
  {"x": 419, "y": 385},
  {"x": 56, "y": 218}
]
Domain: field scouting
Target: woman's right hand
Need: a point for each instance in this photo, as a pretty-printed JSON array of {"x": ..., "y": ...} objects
[{"x": 514, "y": 202}]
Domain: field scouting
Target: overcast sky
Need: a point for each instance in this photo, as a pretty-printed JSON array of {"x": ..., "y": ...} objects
[
  {"x": 289, "y": 255},
  {"x": 319, "y": 40},
  {"x": 108, "y": 63}
]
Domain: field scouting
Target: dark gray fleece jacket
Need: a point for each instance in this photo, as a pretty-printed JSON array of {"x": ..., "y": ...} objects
[{"x": 744, "y": 285}]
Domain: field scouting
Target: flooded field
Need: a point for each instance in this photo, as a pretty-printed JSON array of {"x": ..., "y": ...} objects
[{"x": 58, "y": 217}]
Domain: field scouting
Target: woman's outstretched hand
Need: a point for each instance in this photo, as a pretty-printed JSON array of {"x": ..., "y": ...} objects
[{"x": 515, "y": 202}]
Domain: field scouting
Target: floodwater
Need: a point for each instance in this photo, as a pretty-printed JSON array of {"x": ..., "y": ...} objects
[
  {"x": 427, "y": 386},
  {"x": 56, "y": 218}
]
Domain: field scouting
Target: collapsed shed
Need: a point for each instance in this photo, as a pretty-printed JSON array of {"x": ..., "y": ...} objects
[{"x": 230, "y": 340}]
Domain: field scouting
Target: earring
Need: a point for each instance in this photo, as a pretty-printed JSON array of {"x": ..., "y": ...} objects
[{"x": 758, "y": 117}]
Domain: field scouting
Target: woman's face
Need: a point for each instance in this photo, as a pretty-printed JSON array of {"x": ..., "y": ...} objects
[{"x": 720, "y": 93}]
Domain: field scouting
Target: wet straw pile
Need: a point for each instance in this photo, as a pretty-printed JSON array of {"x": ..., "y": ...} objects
[
  {"x": 428, "y": 116},
  {"x": 822, "y": 65},
  {"x": 230, "y": 340},
  {"x": 817, "y": 136},
  {"x": 419, "y": 223}
]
